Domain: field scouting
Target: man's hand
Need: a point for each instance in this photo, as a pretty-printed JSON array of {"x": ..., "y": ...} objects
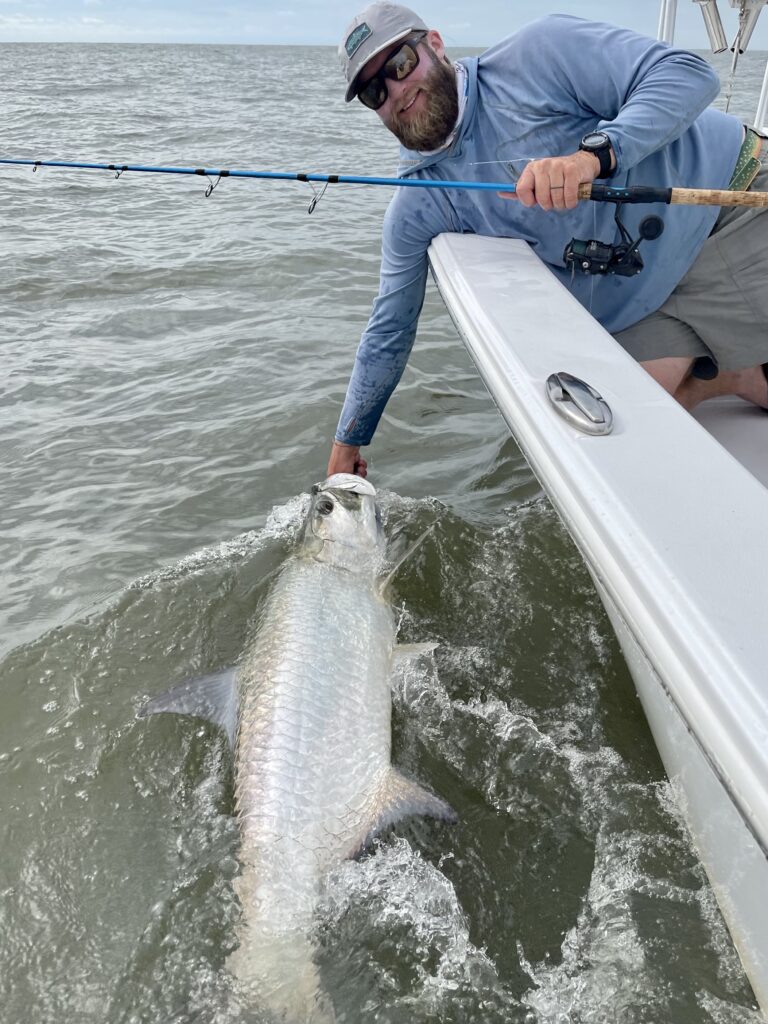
[
  {"x": 346, "y": 458},
  {"x": 553, "y": 183}
]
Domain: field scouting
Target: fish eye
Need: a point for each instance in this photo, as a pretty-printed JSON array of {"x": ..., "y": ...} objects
[{"x": 324, "y": 507}]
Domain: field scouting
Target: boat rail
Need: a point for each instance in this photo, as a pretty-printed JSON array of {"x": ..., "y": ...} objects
[{"x": 749, "y": 12}]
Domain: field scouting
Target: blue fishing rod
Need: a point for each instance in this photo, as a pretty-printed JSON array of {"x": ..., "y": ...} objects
[
  {"x": 594, "y": 192},
  {"x": 585, "y": 256},
  {"x": 218, "y": 174}
]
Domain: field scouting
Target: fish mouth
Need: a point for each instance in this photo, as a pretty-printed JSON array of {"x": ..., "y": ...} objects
[
  {"x": 347, "y": 482},
  {"x": 344, "y": 516}
]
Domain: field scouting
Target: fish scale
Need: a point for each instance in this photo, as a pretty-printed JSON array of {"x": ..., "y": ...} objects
[
  {"x": 309, "y": 715},
  {"x": 325, "y": 684}
]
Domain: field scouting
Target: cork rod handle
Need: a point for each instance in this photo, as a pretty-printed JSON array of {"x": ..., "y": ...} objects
[{"x": 689, "y": 196}]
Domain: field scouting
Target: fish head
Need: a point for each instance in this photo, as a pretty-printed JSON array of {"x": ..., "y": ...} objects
[{"x": 343, "y": 527}]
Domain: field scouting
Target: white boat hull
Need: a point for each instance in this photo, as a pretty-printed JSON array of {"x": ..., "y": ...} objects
[
  {"x": 731, "y": 855},
  {"x": 672, "y": 529}
]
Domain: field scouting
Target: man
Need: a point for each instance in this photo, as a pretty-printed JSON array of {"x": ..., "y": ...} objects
[{"x": 562, "y": 102}]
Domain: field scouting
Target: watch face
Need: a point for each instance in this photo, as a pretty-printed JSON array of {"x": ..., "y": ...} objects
[{"x": 595, "y": 140}]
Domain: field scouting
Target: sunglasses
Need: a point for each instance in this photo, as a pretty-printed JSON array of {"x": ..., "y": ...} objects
[{"x": 400, "y": 63}]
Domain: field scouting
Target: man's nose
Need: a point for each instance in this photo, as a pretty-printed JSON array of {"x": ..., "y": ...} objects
[{"x": 396, "y": 89}]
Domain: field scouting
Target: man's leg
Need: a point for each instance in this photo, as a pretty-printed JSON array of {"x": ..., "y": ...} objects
[
  {"x": 719, "y": 310},
  {"x": 674, "y": 375},
  {"x": 750, "y": 384},
  {"x": 670, "y": 371}
]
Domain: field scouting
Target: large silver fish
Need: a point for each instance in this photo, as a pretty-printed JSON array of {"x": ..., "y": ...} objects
[{"x": 308, "y": 714}]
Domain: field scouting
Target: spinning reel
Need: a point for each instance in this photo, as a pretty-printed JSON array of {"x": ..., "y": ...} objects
[{"x": 594, "y": 257}]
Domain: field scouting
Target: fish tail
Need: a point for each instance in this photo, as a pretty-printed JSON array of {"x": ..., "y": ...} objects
[{"x": 278, "y": 975}]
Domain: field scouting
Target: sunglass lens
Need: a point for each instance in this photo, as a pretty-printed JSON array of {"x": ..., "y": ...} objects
[
  {"x": 401, "y": 64},
  {"x": 373, "y": 94}
]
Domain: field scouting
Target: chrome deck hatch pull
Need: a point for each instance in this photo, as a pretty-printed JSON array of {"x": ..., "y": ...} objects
[{"x": 579, "y": 403}]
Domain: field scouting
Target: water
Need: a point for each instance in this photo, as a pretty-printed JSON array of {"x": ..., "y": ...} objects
[{"x": 173, "y": 371}]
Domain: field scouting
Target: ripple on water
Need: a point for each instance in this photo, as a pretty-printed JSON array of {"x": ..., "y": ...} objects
[{"x": 174, "y": 367}]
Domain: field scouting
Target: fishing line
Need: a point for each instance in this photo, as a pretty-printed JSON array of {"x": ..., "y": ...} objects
[
  {"x": 513, "y": 160},
  {"x": 593, "y": 276}
]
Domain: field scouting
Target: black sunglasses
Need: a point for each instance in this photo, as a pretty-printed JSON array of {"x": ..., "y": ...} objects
[{"x": 398, "y": 65}]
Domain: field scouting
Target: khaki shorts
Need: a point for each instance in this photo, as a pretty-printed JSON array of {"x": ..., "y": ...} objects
[{"x": 718, "y": 314}]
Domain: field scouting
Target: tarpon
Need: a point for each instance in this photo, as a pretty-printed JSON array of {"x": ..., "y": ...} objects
[{"x": 308, "y": 714}]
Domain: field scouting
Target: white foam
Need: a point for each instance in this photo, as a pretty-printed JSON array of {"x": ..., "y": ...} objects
[
  {"x": 722, "y": 1012},
  {"x": 605, "y": 971},
  {"x": 603, "y": 968},
  {"x": 404, "y": 894}
]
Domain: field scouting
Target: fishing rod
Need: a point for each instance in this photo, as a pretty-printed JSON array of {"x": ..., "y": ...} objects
[
  {"x": 584, "y": 256},
  {"x": 688, "y": 196},
  {"x": 595, "y": 193}
]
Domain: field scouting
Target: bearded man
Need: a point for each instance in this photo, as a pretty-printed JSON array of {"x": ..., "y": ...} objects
[{"x": 562, "y": 102}]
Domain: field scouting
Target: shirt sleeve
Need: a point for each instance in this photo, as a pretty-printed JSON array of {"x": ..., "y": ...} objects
[
  {"x": 644, "y": 94},
  {"x": 410, "y": 224}
]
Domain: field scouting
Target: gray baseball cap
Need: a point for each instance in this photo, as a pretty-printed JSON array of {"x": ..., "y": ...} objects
[{"x": 380, "y": 25}]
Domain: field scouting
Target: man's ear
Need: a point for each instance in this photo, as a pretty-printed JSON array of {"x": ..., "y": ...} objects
[{"x": 436, "y": 43}]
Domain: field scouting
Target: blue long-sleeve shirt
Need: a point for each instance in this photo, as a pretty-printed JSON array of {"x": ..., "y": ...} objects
[{"x": 535, "y": 95}]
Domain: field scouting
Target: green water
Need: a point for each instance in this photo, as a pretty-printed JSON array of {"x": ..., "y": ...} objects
[{"x": 173, "y": 371}]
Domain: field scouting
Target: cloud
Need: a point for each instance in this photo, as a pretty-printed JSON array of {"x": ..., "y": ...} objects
[
  {"x": 319, "y": 21},
  {"x": 33, "y": 28}
]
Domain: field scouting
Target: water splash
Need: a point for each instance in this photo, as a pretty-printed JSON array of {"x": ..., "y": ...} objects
[{"x": 420, "y": 961}]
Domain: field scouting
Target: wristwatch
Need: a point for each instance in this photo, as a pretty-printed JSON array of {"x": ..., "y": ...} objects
[{"x": 599, "y": 144}]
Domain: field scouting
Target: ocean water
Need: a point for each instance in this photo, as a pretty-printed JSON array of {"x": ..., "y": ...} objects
[{"x": 173, "y": 368}]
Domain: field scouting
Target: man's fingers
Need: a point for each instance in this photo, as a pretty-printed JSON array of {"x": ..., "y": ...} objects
[
  {"x": 571, "y": 194},
  {"x": 557, "y": 195},
  {"x": 541, "y": 191},
  {"x": 553, "y": 183},
  {"x": 344, "y": 459},
  {"x": 525, "y": 191}
]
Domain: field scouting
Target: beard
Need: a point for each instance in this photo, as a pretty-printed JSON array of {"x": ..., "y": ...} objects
[{"x": 429, "y": 128}]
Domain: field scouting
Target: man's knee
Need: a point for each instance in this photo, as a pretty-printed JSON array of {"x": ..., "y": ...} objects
[{"x": 670, "y": 371}]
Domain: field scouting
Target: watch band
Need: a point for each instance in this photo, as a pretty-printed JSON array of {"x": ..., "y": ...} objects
[{"x": 603, "y": 154}]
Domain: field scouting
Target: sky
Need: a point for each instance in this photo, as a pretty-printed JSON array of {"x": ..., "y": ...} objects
[{"x": 468, "y": 23}]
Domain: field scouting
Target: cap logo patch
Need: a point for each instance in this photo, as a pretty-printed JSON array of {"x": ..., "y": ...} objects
[{"x": 356, "y": 39}]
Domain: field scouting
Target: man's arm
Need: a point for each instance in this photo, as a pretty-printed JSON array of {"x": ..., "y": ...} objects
[
  {"x": 410, "y": 224},
  {"x": 642, "y": 93}
]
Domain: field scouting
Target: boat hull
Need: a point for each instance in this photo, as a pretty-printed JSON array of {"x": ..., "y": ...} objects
[
  {"x": 672, "y": 528},
  {"x": 732, "y": 857}
]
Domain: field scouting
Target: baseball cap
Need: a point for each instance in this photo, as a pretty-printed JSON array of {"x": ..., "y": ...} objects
[{"x": 380, "y": 25}]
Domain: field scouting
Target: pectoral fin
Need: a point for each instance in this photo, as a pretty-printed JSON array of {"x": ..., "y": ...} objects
[
  {"x": 401, "y": 797},
  {"x": 211, "y": 697},
  {"x": 383, "y": 583}
]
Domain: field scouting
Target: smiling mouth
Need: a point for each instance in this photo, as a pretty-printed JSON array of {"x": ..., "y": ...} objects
[{"x": 410, "y": 103}]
